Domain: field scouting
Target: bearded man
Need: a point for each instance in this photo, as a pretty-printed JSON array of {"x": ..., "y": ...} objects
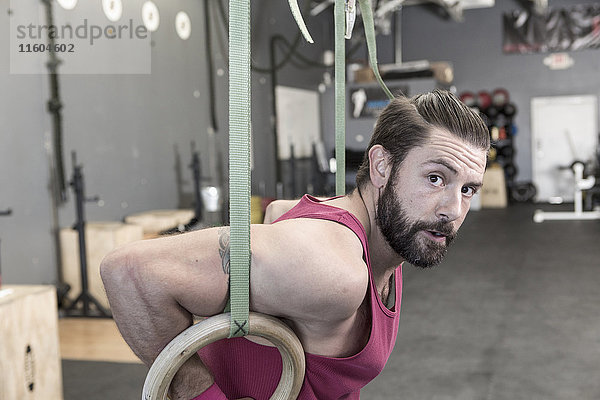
[{"x": 330, "y": 269}]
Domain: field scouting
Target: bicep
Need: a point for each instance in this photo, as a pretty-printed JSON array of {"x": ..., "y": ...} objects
[{"x": 188, "y": 268}]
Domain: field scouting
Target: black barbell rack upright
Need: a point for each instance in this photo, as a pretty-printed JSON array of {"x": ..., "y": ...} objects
[{"x": 85, "y": 297}]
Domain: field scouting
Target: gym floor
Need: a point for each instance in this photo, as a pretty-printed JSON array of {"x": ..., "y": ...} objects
[{"x": 511, "y": 314}]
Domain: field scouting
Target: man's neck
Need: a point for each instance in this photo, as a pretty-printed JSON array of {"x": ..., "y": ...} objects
[{"x": 383, "y": 259}]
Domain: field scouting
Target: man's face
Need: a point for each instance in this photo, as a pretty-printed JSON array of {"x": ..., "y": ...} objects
[{"x": 423, "y": 205}]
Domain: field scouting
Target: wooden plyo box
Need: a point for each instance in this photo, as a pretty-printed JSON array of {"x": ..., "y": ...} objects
[
  {"x": 101, "y": 238},
  {"x": 493, "y": 192},
  {"x": 157, "y": 221},
  {"x": 30, "y": 367}
]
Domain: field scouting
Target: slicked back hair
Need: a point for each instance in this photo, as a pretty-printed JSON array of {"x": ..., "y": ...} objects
[{"x": 406, "y": 123}]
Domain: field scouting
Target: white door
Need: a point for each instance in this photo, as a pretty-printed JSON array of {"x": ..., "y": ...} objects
[{"x": 564, "y": 129}]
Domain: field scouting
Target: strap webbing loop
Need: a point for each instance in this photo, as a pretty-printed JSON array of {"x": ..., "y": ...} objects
[
  {"x": 239, "y": 136},
  {"x": 239, "y": 164},
  {"x": 368, "y": 22},
  {"x": 340, "y": 96},
  {"x": 341, "y": 32},
  {"x": 299, "y": 21}
]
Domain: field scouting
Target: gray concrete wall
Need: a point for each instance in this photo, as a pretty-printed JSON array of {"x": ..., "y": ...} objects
[
  {"x": 125, "y": 128},
  {"x": 269, "y": 18},
  {"x": 132, "y": 133},
  {"x": 27, "y": 248},
  {"x": 475, "y": 49}
]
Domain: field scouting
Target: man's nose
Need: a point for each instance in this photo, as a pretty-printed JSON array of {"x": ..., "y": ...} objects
[{"x": 449, "y": 208}]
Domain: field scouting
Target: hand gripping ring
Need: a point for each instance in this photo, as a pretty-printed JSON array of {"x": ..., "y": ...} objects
[{"x": 188, "y": 342}]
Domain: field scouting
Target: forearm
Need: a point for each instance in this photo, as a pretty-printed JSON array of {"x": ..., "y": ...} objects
[
  {"x": 149, "y": 317},
  {"x": 144, "y": 312}
]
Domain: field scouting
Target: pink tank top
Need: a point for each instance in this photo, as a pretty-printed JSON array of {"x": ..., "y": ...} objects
[{"x": 246, "y": 369}]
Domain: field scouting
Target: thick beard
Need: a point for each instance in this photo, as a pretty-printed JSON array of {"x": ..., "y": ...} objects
[{"x": 401, "y": 235}]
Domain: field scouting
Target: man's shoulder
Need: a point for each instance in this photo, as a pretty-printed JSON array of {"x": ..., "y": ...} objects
[
  {"x": 309, "y": 268},
  {"x": 317, "y": 240}
]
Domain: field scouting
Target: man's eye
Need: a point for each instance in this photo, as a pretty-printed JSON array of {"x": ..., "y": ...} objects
[
  {"x": 469, "y": 191},
  {"x": 435, "y": 179}
]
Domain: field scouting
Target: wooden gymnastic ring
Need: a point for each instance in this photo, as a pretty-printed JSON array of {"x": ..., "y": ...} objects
[{"x": 188, "y": 342}]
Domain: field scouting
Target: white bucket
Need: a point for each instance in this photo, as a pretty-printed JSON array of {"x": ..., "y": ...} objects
[{"x": 211, "y": 198}]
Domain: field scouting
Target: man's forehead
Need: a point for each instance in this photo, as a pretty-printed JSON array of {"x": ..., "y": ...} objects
[{"x": 444, "y": 145}]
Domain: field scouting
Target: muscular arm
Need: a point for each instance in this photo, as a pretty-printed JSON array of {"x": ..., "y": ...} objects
[{"x": 154, "y": 287}]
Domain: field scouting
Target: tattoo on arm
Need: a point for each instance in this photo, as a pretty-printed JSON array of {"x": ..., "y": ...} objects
[{"x": 224, "y": 248}]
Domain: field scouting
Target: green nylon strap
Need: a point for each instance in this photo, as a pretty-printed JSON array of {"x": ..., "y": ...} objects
[
  {"x": 340, "y": 81},
  {"x": 340, "y": 96},
  {"x": 239, "y": 138},
  {"x": 367, "y": 15},
  {"x": 239, "y": 165},
  {"x": 299, "y": 21}
]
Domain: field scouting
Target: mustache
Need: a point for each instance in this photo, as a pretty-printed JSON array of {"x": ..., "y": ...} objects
[{"x": 442, "y": 227}]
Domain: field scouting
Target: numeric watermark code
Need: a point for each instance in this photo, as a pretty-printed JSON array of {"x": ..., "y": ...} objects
[
  {"x": 83, "y": 42},
  {"x": 41, "y": 48}
]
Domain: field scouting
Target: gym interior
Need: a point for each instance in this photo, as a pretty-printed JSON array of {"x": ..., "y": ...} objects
[{"x": 115, "y": 128}]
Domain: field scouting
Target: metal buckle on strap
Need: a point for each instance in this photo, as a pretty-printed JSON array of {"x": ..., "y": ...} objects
[{"x": 350, "y": 10}]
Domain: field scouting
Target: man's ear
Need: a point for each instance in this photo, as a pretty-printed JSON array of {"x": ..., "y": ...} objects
[{"x": 380, "y": 165}]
